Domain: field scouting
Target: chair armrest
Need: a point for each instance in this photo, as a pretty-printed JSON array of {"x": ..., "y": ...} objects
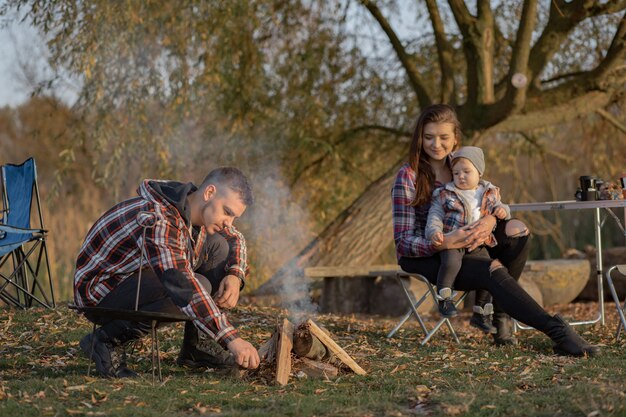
[{"x": 18, "y": 230}]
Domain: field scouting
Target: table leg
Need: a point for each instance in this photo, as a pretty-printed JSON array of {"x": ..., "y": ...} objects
[{"x": 599, "y": 265}]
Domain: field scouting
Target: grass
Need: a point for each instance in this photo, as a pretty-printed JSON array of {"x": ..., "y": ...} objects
[{"x": 43, "y": 373}]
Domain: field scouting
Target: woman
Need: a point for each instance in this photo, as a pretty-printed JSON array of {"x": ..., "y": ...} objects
[{"x": 437, "y": 134}]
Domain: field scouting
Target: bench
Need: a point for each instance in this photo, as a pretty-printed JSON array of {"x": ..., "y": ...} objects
[{"x": 369, "y": 289}]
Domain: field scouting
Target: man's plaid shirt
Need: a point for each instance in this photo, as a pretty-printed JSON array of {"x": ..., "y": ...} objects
[
  {"x": 409, "y": 222},
  {"x": 112, "y": 249}
]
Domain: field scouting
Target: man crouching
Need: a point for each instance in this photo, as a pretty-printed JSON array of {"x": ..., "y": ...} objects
[{"x": 195, "y": 262}]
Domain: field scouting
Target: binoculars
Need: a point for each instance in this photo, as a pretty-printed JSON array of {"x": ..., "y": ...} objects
[{"x": 589, "y": 188}]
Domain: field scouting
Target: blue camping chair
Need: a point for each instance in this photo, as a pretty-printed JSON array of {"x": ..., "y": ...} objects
[{"x": 21, "y": 279}]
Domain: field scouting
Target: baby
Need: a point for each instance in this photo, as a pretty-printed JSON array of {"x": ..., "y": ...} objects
[{"x": 461, "y": 202}]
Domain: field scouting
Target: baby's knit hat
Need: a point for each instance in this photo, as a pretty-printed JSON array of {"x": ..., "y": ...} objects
[{"x": 474, "y": 154}]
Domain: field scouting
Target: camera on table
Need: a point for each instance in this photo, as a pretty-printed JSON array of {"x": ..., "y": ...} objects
[{"x": 594, "y": 188}]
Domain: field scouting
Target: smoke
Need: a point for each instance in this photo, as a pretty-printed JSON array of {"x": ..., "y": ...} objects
[{"x": 280, "y": 228}]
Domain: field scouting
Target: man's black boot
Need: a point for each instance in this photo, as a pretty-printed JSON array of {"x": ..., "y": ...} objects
[
  {"x": 109, "y": 348},
  {"x": 504, "y": 329},
  {"x": 566, "y": 341},
  {"x": 202, "y": 354},
  {"x": 98, "y": 347}
]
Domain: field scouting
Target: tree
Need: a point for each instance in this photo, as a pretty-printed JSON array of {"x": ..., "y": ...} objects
[
  {"x": 512, "y": 81},
  {"x": 288, "y": 82}
]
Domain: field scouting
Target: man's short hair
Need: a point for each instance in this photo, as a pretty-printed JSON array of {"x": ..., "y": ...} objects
[{"x": 234, "y": 179}]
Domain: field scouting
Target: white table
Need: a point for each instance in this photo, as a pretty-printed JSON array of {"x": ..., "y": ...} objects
[{"x": 580, "y": 205}]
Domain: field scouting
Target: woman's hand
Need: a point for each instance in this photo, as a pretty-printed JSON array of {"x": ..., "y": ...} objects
[{"x": 471, "y": 236}]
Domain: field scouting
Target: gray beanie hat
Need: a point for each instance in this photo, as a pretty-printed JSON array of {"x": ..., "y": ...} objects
[{"x": 474, "y": 154}]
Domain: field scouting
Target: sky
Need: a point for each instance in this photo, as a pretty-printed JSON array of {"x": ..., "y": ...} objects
[
  {"x": 23, "y": 63},
  {"x": 12, "y": 90}
]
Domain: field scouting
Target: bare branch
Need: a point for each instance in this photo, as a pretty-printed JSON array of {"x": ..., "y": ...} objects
[
  {"x": 564, "y": 16},
  {"x": 478, "y": 47},
  {"x": 462, "y": 16},
  {"x": 386, "y": 129},
  {"x": 612, "y": 119},
  {"x": 516, "y": 95},
  {"x": 414, "y": 78},
  {"x": 560, "y": 113},
  {"x": 344, "y": 137},
  {"x": 616, "y": 54},
  {"x": 543, "y": 150},
  {"x": 563, "y": 76},
  {"x": 445, "y": 53}
]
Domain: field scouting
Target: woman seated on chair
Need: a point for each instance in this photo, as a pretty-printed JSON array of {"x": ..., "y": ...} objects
[{"x": 436, "y": 136}]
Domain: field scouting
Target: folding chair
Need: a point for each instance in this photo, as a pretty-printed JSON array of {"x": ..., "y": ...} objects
[
  {"x": 621, "y": 309},
  {"x": 21, "y": 279},
  {"x": 415, "y": 304}
]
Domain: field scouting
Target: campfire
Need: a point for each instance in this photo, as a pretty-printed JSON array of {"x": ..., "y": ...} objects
[{"x": 313, "y": 346}]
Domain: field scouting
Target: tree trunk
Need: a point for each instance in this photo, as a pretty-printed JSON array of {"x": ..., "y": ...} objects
[{"x": 356, "y": 237}]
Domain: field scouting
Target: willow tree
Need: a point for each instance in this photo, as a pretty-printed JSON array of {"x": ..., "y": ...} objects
[
  {"x": 509, "y": 68},
  {"x": 155, "y": 74},
  {"x": 171, "y": 88}
]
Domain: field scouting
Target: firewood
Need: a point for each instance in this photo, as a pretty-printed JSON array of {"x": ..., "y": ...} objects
[
  {"x": 315, "y": 369},
  {"x": 283, "y": 357},
  {"x": 335, "y": 348},
  {"x": 306, "y": 345},
  {"x": 267, "y": 351}
]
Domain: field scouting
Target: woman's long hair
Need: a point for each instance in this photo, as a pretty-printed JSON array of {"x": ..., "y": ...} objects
[{"x": 418, "y": 160}]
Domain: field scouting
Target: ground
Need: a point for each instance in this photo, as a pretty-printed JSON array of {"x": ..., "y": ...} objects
[{"x": 43, "y": 372}]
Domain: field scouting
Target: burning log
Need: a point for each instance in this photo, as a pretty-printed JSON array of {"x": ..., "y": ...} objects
[
  {"x": 335, "y": 348},
  {"x": 306, "y": 345},
  {"x": 283, "y": 357},
  {"x": 267, "y": 351},
  {"x": 315, "y": 369}
]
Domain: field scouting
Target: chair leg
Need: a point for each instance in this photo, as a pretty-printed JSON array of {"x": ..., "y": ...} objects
[
  {"x": 158, "y": 353},
  {"x": 93, "y": 346},
  {"x": 620, "y": 309},
  {"x": 153, "y": 337},
  {"x": 428, "y": 334},
  {"x": 447, "y": 323},
  {"x": 622, "y": 325},
  {"x": 49, "y": 272},
  {"x": 413, "y": 306}
]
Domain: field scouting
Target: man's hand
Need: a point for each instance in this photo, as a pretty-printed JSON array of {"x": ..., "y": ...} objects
[
  {"x": 500, "y": 213},
  {"x": 228, "y": 292},
  {"x": 245, "y": 354},
  {"x": 437, "y": 239}
]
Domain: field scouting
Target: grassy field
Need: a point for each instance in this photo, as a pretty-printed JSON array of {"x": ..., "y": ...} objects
[{"x": 43, "y": 373}]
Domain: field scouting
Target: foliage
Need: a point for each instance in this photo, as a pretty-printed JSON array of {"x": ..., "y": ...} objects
[
  {"x": 43, "y": 372},
  {"x": 314, "y": 99}
]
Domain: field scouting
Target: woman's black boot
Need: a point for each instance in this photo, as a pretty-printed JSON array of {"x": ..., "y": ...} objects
[
  {"x": 504, "y": 329},
  {"x": 566, "y": 341}
]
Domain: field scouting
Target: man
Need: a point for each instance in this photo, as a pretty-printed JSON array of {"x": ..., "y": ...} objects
[{"x": 195, "y": 262}]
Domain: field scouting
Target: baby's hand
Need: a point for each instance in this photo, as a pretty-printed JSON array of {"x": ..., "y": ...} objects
[
  {"x": 437, "y": 239},
  {"x": 500, "y": 213}
]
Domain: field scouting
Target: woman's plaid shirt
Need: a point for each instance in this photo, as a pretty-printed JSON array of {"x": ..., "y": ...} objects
[
  {"x": 112, "y": 249},
  {"x": 409, "y": 222}
]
